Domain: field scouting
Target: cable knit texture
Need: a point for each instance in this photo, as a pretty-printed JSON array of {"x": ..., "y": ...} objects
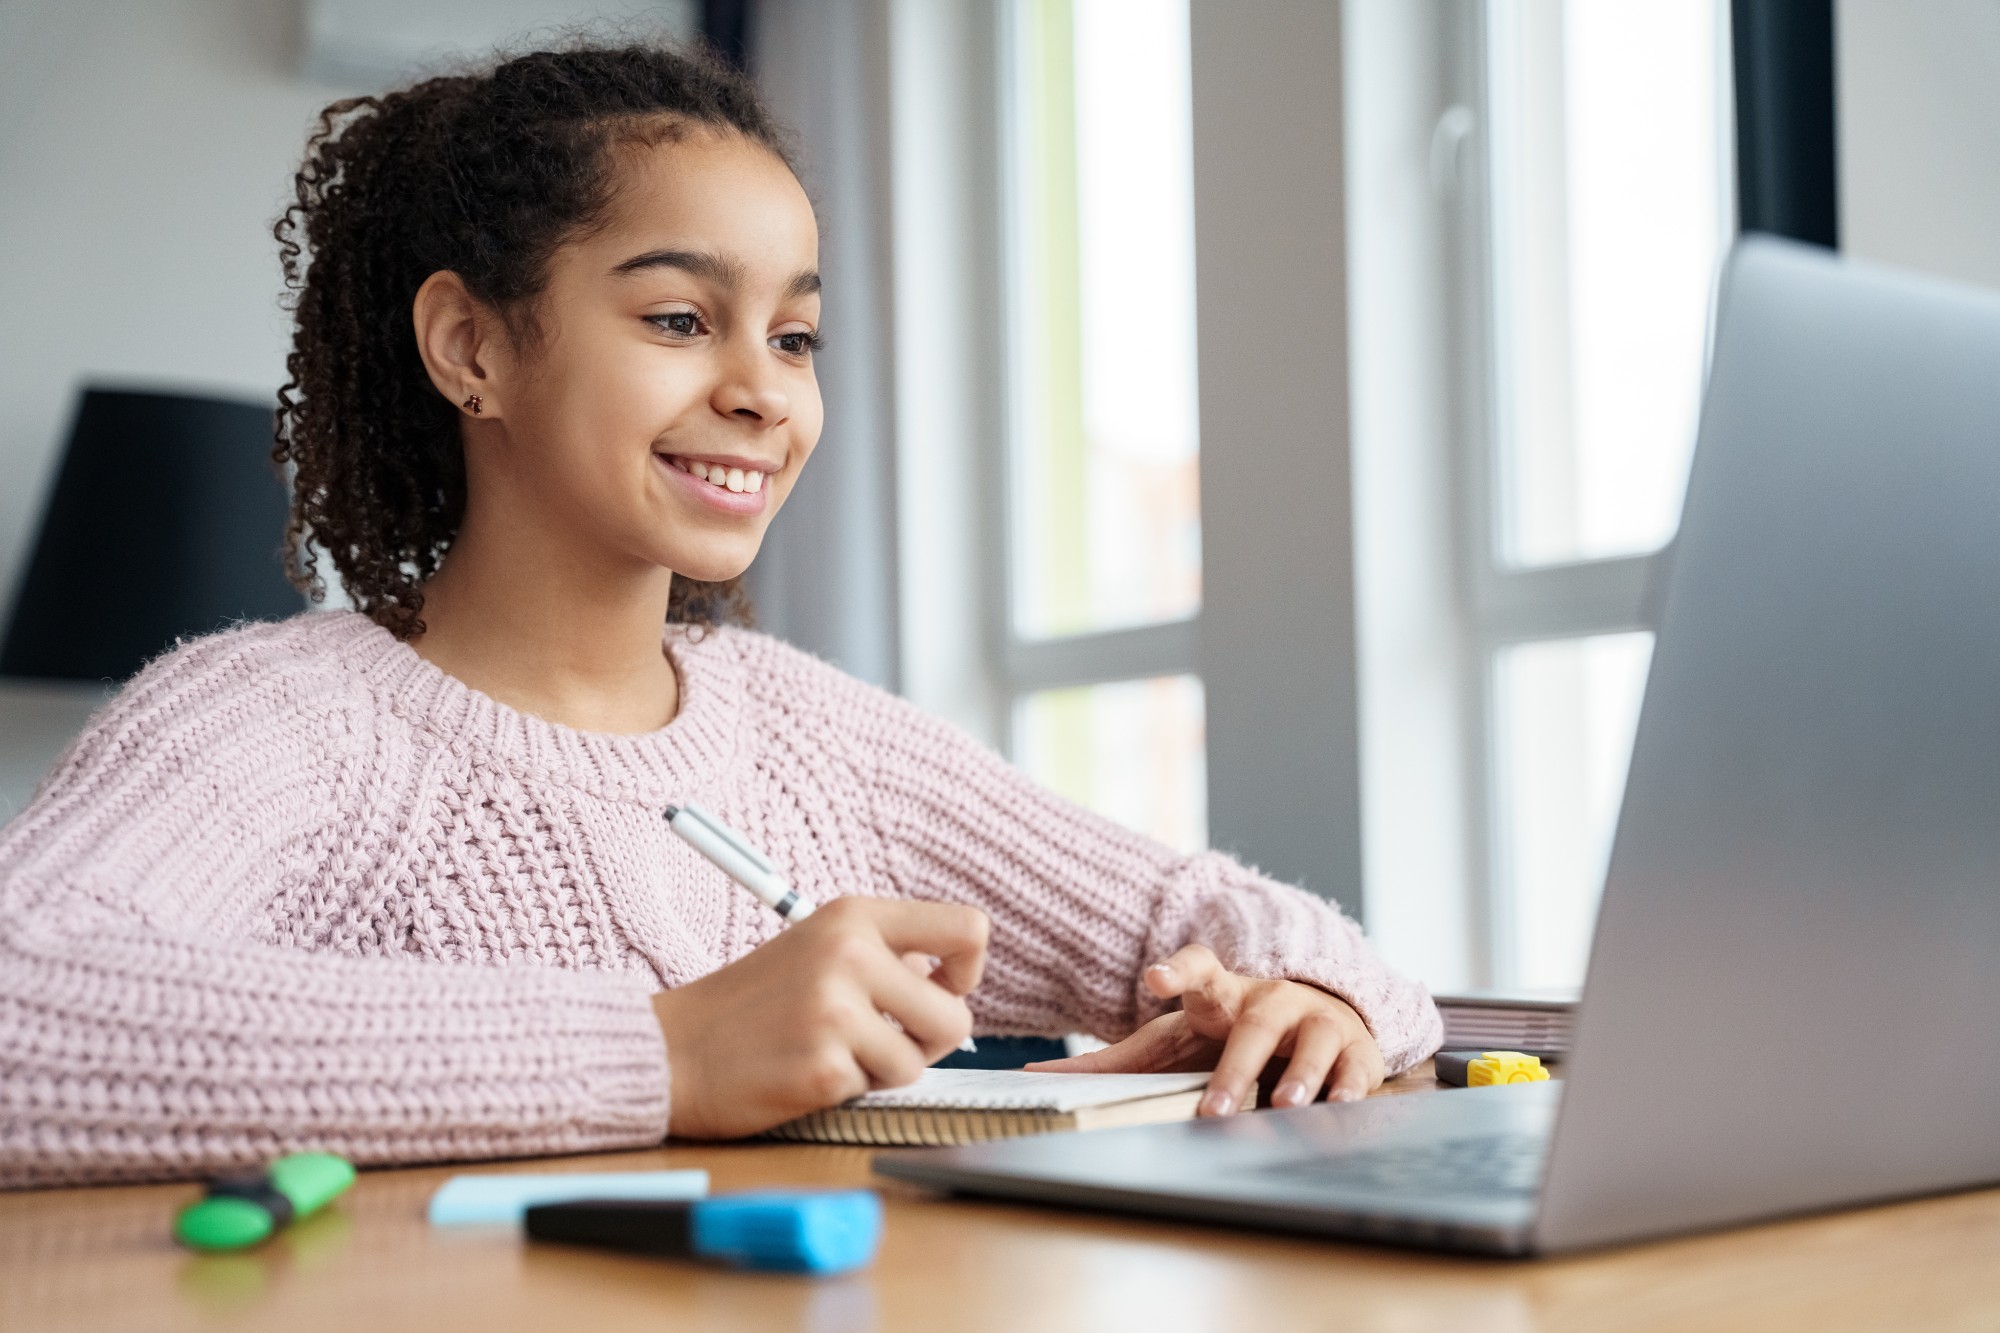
[{"x": 295, "y": 887}]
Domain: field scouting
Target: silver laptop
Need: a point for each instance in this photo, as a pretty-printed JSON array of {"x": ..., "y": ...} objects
[{"x": 1791, "y": 996}]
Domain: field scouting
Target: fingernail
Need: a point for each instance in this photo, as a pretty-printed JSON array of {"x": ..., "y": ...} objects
[
  {"x": 1290, "y": 1093},
  {"x": 1162, "y": 971},
  {"x": 1217, "y": 1102},
  {"x": 1348, "y": 1095}
]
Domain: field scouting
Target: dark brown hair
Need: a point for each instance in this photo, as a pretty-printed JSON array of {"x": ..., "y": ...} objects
[{"x": 484, "y": 175}]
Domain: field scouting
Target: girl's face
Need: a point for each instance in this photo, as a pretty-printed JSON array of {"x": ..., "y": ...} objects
[{"x": 664, "y": 407}]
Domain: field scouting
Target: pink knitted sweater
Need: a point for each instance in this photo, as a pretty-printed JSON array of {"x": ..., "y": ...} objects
[{"x": 296, "y": 887}]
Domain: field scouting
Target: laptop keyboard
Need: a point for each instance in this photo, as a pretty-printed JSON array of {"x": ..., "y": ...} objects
[{"x": 1498, "y": 1164}]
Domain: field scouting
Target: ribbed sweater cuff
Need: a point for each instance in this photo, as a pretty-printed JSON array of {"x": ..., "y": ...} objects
[
  {"x": 624, "y": 1073},
  {"x": 1261, "y": 928}
]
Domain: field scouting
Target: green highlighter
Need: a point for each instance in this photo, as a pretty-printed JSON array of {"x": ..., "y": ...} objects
[{"x": 239, "y": 1211}]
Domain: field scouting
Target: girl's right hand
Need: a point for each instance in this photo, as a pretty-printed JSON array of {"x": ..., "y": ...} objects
[{"x": 797, "y": 1024}]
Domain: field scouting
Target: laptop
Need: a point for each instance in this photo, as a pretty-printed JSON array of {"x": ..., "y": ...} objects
[{"x": 1790, "y": 997}]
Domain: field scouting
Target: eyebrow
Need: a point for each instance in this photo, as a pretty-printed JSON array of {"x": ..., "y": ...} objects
[
  {"x": 712, "y": 268},
  {"x": 699, "y": 263}
]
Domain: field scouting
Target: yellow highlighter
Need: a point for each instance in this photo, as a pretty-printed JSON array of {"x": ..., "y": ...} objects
[{"x": 1481, "y": 1069}]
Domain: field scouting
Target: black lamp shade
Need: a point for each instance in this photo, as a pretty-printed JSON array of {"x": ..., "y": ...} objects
[{"x": 167, "y": 519}]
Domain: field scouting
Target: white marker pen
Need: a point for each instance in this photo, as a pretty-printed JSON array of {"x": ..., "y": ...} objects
[{"x": 725, "y": 848}]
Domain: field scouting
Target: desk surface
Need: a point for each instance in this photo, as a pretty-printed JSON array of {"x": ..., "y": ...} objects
[{"x": 101, "y": 1259}]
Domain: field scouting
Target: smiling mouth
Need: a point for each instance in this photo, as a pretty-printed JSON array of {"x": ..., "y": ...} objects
[{"x": 744, "y": 481}]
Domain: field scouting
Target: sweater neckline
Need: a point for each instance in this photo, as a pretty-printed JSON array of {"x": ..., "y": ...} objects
[{"x": 657, "y": 766}]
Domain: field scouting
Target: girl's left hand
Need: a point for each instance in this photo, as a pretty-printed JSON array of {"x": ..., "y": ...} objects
[{"x": 1236, "y": 1025}]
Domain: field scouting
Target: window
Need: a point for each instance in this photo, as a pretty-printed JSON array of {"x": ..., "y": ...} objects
[
  {"x": 1563, "y": 716},
  {"x": 1599, "y": 219},
  {"x": 1608, "y": 214},
  {"x": 1131, "y": 749},
  {"x": 1103, "y": 537}
]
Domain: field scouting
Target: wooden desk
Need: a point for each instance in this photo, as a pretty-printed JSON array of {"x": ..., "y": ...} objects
[{"x": 101, "y": 1259}]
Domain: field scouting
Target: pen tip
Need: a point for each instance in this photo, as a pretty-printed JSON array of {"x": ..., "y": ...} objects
[{"x": 672, "y": 810}]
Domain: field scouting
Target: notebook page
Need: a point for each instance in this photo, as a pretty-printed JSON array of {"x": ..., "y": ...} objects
[{"x": 1018, "y": 1090}]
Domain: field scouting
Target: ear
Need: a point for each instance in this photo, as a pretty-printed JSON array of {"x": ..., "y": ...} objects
[{"x": 463, "y": 344}]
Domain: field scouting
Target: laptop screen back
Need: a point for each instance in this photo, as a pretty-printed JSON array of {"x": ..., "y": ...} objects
[{"x": 1799, "y": 943}]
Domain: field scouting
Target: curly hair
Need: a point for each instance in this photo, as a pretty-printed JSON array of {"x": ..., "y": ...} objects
[{"x": 484, "y": 175}]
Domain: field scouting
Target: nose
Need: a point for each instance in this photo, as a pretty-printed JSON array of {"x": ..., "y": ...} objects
[{"x": 748, "y": 387}]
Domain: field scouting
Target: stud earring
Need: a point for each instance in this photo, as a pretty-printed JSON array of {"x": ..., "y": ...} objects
[{"x": 473, "y": 404}]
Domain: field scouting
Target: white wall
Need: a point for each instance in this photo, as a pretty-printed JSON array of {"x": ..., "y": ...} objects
[
  {"x": 145, "y": 147},
  {"x": 1418, "y": 830},
  {"x": 1918, "y": 90},
  {"x": 1277, "y": 629},
  {"x": 951, "y": 401},
  {"x": 386, "y": 43},
  {"x": 826, "y": 577}
]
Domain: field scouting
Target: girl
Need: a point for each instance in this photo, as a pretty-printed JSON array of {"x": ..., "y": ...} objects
[{"x": 395, "y": 882}]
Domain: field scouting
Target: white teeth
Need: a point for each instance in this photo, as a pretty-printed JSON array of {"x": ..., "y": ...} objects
[{"x": 741, "y": 480}]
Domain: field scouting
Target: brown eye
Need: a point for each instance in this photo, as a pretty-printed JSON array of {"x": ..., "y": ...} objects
[{"x": 679, "y": 323}]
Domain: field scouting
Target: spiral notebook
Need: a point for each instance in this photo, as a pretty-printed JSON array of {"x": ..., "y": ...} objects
[{"x": 946, "y": 1107}]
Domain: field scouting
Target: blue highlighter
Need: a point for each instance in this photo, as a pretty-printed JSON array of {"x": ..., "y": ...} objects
[{"x": 769, "y": 1231}]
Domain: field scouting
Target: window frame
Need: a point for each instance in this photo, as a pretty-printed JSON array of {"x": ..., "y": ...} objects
[
  {"x": 1273, "y": 643},
  {"x": 1030, "y": 664},
  {"x": 1505, "y": 604}
]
